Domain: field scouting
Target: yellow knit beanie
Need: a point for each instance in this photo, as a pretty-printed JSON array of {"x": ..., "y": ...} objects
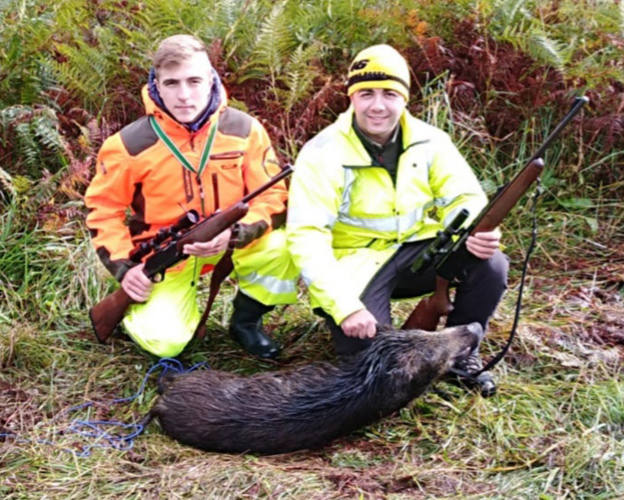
[{"x": 379, "y": 66}]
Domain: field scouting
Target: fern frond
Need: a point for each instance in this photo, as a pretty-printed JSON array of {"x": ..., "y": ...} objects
[
  {"x": 510, "y": 12},
  {"x": 85, "y": 71},
  {"x": 224, "y": 16},
  {"x": 510, "y": 21},
  {"x": 548, "y": 51},
  {"x": 236, "y": 27},
  {"x": 274, "y": 43},
  {"x": 299, "y": 74},
  {"x": 167, "y": 18},
  {"x": 27, "y": 146},
  {"x": 24, "y": 39},
  {"x": 45, "y": 129},
  {"x": 31, "y": 135},
  {"x": 6, "y": 183}
]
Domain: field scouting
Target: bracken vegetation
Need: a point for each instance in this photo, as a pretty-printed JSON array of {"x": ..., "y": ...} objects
[{"x": 496, "y": 74}]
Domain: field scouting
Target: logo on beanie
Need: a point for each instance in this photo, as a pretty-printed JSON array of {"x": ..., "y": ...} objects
[{"x": 357, "y": 65}]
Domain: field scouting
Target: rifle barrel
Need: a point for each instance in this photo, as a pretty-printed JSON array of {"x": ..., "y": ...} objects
[
  {"x": 286, "y": 171},
  {"x": 576, "y": 107},
  {"x": 532, "y": 168}
]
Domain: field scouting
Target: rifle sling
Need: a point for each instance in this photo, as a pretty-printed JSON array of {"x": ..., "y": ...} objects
[{"x": 219, "y": 273}]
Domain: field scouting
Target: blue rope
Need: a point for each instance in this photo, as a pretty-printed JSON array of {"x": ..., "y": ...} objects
[{"x": 95, "y": 429}]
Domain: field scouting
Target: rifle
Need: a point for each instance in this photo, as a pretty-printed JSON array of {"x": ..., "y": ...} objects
[
  {"x": 165, "y": 250},
  {"x": 450, "y": 256}
]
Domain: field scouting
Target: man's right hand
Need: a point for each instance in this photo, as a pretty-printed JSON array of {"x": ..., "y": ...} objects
[
  {"x": 136, "y": 284},
  {"x": 361, "y": 324}
]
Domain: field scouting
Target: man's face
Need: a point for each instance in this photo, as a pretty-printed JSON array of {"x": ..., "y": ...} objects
[
  {"x": 185, "y": 87},
  {"x": 377, "y": 112}
]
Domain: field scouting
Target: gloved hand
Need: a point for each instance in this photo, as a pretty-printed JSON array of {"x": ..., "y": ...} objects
[{"x": 243, "y": 234}]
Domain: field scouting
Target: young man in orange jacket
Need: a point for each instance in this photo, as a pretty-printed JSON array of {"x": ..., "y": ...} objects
[{"x": 190, "y": 146}]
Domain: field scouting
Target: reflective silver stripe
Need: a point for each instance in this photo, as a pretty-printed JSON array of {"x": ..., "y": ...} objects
[
  {"x": 270, "y": 283},
  {"x": 409, "y": 220},
  {"x": 307, "y": 275},
  {"x": 349, "y": 178},
  {"x": 443, "y": 202},
  {"x": 394, "y": 223},
  {"x": 318, "y": 217}
]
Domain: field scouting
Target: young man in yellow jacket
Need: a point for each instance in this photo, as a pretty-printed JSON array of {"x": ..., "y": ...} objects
[
  {"x": 368, "y": 193},
  {"x": 190, "y": 151}
]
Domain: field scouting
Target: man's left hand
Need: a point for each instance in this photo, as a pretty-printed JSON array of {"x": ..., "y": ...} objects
[
  {"x": 484, "y": 244},
  {"x": 213, "y": 247}
]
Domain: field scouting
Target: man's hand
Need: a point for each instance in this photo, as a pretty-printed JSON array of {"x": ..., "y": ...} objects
[
  {"x": 216, "y": 245},
  {"x": 136, "y": 284},
  {"x": 484, "y": 244},
  {"x": 243, "y": 234},
  {"x": 361, "y": 324}
]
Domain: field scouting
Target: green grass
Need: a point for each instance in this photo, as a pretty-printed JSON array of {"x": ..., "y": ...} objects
[
  {"x": 556, "y": 427},
  {"x": 554, "y": 430}
]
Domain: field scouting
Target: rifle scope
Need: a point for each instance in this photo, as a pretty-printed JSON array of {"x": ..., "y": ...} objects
[{"x": 145, "y": 247}]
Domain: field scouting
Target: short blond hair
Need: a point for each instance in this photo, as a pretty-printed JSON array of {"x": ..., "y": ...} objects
[{"x": 175, "y": 49}]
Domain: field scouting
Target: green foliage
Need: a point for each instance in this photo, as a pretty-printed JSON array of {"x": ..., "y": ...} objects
[
  {"x": 273, "y": 43},
  {"x": 289, "y": 41},
  {"x": 513, "y": 22},
  {"x": 276, "y": 54},
  {"x": 31, "y": 135},
  {"x": 572, "y": 36},
  {"x": 27, "y": 30},
  {"x": 100, "y": 50},
  {"x": 345, "y": 27},
  {"x": 549, "y": 51},
  {"x": 89, "y": 69},
  {"x": 42, "y": 271},
  {"x": 299, "y": 75},
  {"x": 553, "y": 431}
]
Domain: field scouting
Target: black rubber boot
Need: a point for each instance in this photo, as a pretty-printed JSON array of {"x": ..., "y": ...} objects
[
  {"x": 246, "y": 327},
  {"x": 483, "y": 382}
]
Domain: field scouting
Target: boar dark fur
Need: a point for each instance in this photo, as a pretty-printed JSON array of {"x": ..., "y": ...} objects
[{"x": 307, "y": 406}]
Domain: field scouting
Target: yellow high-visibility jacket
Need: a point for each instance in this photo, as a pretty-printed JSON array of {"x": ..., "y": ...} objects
[{"x": 346, "y": 217}]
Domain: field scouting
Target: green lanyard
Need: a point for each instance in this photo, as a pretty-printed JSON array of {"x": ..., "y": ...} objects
[{"x": 182, "y": 159}]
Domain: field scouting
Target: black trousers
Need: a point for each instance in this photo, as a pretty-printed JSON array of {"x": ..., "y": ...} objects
[{"x": 476, "y": 295}]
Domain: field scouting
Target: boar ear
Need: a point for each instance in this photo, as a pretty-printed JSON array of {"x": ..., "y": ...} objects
[{"x": 165, "y": 382}]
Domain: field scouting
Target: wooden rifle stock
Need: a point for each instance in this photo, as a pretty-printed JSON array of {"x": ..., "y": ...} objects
[
  {"x": 109, "y": 312},
  {"x": 426, "y": 315}
]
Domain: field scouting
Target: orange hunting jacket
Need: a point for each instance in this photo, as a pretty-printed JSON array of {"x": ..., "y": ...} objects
[{"x": 140, "y": 187}]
